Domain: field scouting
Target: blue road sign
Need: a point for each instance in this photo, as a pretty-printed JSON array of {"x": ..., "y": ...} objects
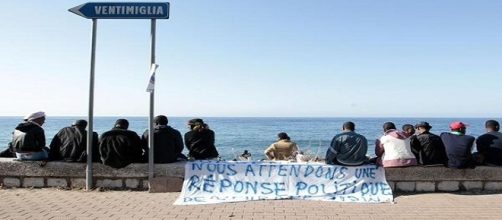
[{"x": 123, "y": 10}]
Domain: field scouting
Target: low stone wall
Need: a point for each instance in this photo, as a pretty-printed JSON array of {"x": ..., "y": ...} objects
[
  {"x": 72, "y": 175},
  {"x": 169, "y": 177},
  {"x": 442, "y": 179}
]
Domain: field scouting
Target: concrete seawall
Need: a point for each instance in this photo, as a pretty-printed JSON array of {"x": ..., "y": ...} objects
[{"x": 169, "y": 177}]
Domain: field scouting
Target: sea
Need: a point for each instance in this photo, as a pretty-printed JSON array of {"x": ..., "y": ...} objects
[{"x": 255, "y": 134}]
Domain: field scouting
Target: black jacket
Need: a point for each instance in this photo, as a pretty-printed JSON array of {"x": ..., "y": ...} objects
[
  {"x": 28, "y": 137},
  {"x": 70, "y": 144},
  {"x": 428, "y": 149},
  {"x": 168, "y": 144},
  {"x": 490, "y": 146},
  {"x": 200, "y": 144},
  {"x": 120, "y": 147}
]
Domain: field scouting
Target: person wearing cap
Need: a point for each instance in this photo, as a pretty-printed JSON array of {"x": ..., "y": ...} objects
[
  {"x": 200, "y": 141},
  {"x": 70, "y": 144},
  {"x": 428, "y": 148},
  {"x": 393, "y": 148},
  {"x": 168, "y": 143},
  {"x": 489, "y": 145},
  {"x": 458, "y": 146},
  {"x": 283, "y": 149},
  {"x": 347, "y": 148},
  {"x": 28, "y": 139},
  {"x": 120, "y": 147}
]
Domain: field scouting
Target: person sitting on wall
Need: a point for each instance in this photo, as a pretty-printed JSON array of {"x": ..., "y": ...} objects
[
  {"x": 283, "y": 149},
  {"x": 120, "y": 147},
  {"x": 28, "y": 139},
  {"x": 458, "y": 146},
  {"x": 489, "y": 145},
  {"x": 200, "y": 141},
  {"x": 70, "y": 144},
  {"x": 393, "y": 148},
  {"x": 347, "y": 148},
  {"x": 408, "y": 129},
  {"x": 427, "y": 147},
  {"x": 168, "y": 143}
]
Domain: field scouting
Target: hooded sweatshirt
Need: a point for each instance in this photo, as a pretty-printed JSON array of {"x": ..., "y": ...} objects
[
  {"x": 28, "y": 137},
  {"x": 393, "y": 150}
]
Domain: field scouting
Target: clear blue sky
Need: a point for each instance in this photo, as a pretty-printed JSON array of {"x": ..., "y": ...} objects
[{"x": 427, "y": 58}]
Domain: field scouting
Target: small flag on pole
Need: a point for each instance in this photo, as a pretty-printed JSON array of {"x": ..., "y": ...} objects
[{"x": 151, "y": 83}]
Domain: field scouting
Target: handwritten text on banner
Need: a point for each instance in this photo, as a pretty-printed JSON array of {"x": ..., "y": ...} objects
[{"x": 208, "y": 182}]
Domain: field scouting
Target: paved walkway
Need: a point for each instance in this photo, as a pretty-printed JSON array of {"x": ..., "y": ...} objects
[{"x": 61, "y": 204}]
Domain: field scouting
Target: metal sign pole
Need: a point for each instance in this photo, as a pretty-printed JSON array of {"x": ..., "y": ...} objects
[
  {"x": 150, "y": 118},
  {"x": 102, "y": 10},
  {"x": 90, "y": 131}
]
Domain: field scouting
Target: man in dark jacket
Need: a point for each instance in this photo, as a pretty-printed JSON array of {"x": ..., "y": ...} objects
[
  {"x": 200, "y": 140},
  {"x": 28, "y": 139},
  {"x": 489, "y": 145},
  {"x": 458, "y": 146},
  {"x": 120, "y": 147},
  {"x": 347, "y": 148},
  {"x": 427, "y": 147},
  {"x": 70, "y": 144},
  {"x": 168, "y": 142}
]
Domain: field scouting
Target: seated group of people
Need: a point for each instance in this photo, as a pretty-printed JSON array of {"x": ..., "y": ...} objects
[
  {"x": 116, "y": 148},
  {"x": 119, "y": 147},
  {"x": 405, "y": 148}
]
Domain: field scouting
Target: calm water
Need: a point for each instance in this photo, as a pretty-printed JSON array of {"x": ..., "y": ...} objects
[{"x": 233, "y": 135}]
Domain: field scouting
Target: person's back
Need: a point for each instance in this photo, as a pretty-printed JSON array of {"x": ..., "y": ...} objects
[
  {"x": 347, "y": 148},
  {"x": 283, "y": 149},
  {"x": 70, "y": 144},
  {"x": 427, "y": 147},
  {"x": 120, "y": 147},
  {"x": 168, "y": 144},
  {"x": 432, "y": 150},
  {"x": 200, "y": 141},
  {"x": 393, "y": 148},
  {"x": 28, "y": 139},
  {"x": 490, "y": 143},
  {"x": 458, "y": 146}
]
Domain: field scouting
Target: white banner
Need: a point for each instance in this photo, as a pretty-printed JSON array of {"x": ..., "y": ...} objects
[{"x": 208, "y": 182}]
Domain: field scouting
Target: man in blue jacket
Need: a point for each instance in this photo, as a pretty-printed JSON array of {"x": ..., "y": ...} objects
[{"x": 347, "y": 148}]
